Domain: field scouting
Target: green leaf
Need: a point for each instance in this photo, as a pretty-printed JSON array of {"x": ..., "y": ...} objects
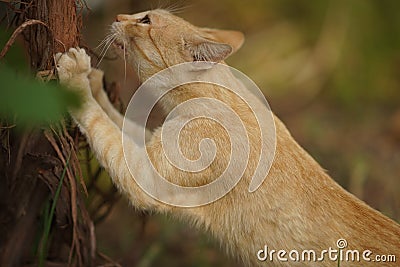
[{"x": 30, "y": 101}]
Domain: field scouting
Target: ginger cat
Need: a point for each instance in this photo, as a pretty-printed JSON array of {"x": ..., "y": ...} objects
[{"x": 297, "y": 207}]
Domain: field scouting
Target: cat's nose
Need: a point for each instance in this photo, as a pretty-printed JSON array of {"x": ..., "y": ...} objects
[{"x": 120, "y": 18}]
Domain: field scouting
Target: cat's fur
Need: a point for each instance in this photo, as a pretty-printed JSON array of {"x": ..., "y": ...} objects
[{"x": 297, "y": 207}]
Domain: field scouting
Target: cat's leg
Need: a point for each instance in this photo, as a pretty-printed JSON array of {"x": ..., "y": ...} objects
[
  {"x": 98, "y": 92},
  {"x": 103, "y": 135}
]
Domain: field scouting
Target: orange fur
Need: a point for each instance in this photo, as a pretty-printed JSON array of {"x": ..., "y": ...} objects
[{"x": 297, "y": 207}]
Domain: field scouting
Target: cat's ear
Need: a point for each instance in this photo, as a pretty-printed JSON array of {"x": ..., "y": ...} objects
[
  {"x": 202, "y": 49},
  {"x": 235, "y": 39},
  {"x": 214, "y": 45}
]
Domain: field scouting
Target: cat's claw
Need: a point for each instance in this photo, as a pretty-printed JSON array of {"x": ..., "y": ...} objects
[
  {"x": 73, "y": 68},
  {"x": 71, "y": 64}
]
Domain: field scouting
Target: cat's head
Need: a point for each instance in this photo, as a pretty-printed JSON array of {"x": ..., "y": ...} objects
[{"x": 157, "y": 39}]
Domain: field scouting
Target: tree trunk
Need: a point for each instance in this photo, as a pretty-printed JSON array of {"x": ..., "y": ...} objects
[
  {"x": 62, "y": 32},
  {"x": 32, "y": 162}
]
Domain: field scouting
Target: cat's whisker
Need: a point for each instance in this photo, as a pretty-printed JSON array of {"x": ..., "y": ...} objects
[
  {"x": 105, "y": 49},
  {"x": 176, "y": 7},
  {"x": 107, "y": 40},
  {"x": 138, "y": 69},
  {"x": 103, "y": 41},
  {"x": 103, "y": 45},
  {"x": 109, "y": 36},
  {"x": 124, "y": 61}
]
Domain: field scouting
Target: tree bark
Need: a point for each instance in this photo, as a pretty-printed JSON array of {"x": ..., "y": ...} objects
[
  {"x": 31, "y": 165},
  {"x": 62, "y": 32}
]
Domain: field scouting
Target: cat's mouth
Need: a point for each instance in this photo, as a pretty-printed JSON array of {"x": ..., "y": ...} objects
[{"x": 119, "y": 45}]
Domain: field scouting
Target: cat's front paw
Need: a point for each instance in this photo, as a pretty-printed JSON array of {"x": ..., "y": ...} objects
[
  {"x": 73, "y": 68},
  {"x": 96, "y": 82}
]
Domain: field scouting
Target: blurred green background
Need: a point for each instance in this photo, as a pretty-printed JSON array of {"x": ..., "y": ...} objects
[{"x": 329, "y": 69}]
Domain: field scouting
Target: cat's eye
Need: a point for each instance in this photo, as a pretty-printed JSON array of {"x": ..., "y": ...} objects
[{"x": 145, "y": 20}]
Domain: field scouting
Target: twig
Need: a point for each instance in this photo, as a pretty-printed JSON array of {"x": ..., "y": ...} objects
[
  {"x": 76, "y": 165},
  {"x": 84, "y": 4},
  {"x": 17, "y": 32},
  {"x": 108, "y": 259},
  {"x": 46, "y": 233},
  {"x": 20, "y": 154},
  {"x": 74, "y": 213}
]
